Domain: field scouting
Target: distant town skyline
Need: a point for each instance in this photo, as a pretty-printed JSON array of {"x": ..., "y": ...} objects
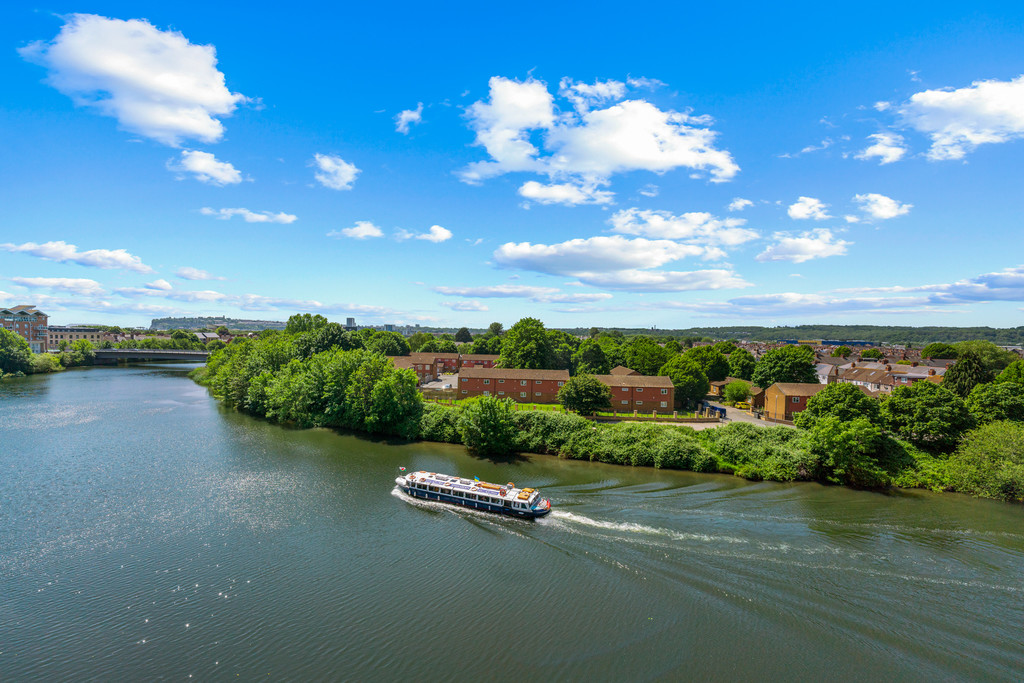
[{"x": 657, "y": 165}]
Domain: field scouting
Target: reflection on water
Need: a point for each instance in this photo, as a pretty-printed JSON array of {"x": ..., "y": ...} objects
[{"x": 147, "y": 532}]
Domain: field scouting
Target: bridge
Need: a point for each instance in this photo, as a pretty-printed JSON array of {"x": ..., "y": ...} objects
[{"x": 132, "y": 355}]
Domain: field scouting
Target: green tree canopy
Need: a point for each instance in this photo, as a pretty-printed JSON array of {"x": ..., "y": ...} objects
[
  {"x": 688, "y": 378},
  {"x": 439, "y": 346},
  {"x": 644, "y": 355},
  {"x": 527, "y": 346},
  {"x": 304, "y": 322},
  {"x": 871, "y": 353},
  {"x": 463, "y": 335},
  {"x": 785, "y": 364},
  {"x": 497, "y": 329},
  {"x": 991, "y": 356},
  {"x": 967, "y": 373},
  {"x": 711, "y": 361},
  {"x": 672, "y": 347},
  {"x": 939, "y": 350},
  {"x": 741, "y": 364},
  {"x": 585, "y": 395},
  {"x": 841, "y": 400},
  {"x": 990, "y": 462},
  {"x": 222, "y": 330},
  {"x": 841, "y": 352},
  {"x": 388, "y": 344},
  {"x": 1014, "y": 372},
  {"x": 737, "y": 391},
  {"x": 846, "y": 451},
  {"x": 926, "y": 415},
  {"x": 486, "y": 425},
  {"x": 996, "y": 401},
  {"x": 418, "y": 339},
  {"x": 724, "y": 348},
  {"x": 590, "y": 359},
  {"x": 15, "y": 353}
]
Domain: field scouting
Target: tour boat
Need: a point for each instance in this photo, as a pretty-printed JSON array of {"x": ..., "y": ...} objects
[{"x": 472, "y": 493}]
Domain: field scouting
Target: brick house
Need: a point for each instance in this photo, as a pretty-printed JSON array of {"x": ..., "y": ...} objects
[
  {"x": 718, "y": 388},
  {"x": 522, "y": 386},
  {"x": 623, "y": 370},
  {"x": 58, "y": 333},
  {"x": 784, "y": 399},
  {"x": 639, "y": 392},
  {"x": 477, "y": 360},
  {"x": 27, "y": 322}
]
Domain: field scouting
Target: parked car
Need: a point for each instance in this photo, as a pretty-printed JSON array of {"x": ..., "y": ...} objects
[{"x": 743, "y": 405}]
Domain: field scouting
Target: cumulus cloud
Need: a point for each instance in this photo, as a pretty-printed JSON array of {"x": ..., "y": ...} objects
[
  {"x": 435, "y": 234},
  {"x": 538, "y": 294},
  {"x": 155, "y": 83},
  {"x": 739, "y": 204},
  {"x": 880, "y": 207},
  {"x": 809, "y": 207},
  {"x": 205, "y": 168},
  {"x": 407, "y": 118},
  {"x": 249, "y": 216},
  {"x": 189, "y": 273},
  {"x": 465, "y": 305},
  {"x": 649, "y": 190},
  {"x": 634, "y": 280},
  {"x": 589, "y": 145},
  {"x": 959, "y": 120},
  {"x": 887, "y": 148},
  {"x": 694, "y": 227},
  {"x": 76, "y": 285},
  {"x": 161, "y": 285},
  {"x": 62, "y": 252},
  {"x": 361, "y": 231},
  {"x": 569, "y": 194},
  {"x": 334, "y": 172},
  {"x": 803, "y": 247}
]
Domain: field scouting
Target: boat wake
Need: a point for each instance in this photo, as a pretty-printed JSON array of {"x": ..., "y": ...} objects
[{"x": 569, "y": 519}]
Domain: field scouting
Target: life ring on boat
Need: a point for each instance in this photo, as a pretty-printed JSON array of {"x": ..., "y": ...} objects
[{"x": 501, "y": 491}]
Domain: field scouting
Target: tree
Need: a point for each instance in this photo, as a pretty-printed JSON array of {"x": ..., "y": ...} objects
[
  {"x": 991, "y": 356},
  {"x": 211, "y": 345},
  {"x": 304, "y": 322},
  {"x": 724, "y": 348},
  {"x": 741, "y": 364},
  {"x": 871, "y": 353},
  {"x": 590, "y": 359},
  {"x": 926, "y": 415},
  {"x": 938, "y": 350},
  {"x": 990, "y": 462},
  {"x": 785, "y": 364},
  {"x": 841, "y": 400},
  {"x": 845, "y": 451},
  {"x": 996, "y": 401},
  {"x": 486, "y": 425},
  {"x": 737, "y": 391},
  {"x": 15, "y": 353},
  {"x": 841, "y": 352},
  {"x": 388, "y": 344},
  {"x": 417, "y": 340},
  {"x": 711, "y": 361},
  {"x": 689, "y": 380},
  {"x": 396, "y": 405},
  {"x": 527, "y": 346},
  {"x": 1014, "y": 372},
  {"x": 672, "y": 347},
  {"x": 463, "y": 335},
  {"x": 497, "y": 329},
  {"x": 585, "y": 395},
  {"x": 223, "y": 331},
  {"x": 644, "y": 355},
  {"x": 966, "y": 373}
]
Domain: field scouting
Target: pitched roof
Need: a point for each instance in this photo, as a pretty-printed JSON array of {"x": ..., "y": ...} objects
[
  {"x": 513, "y": 373},
  {"x": 797, "y": 389},
  {"x": 623, "y": 370},
  {"x": 479, "y": 356},
  {"x": 635, "y": 381},
  {"x": 401, "y": 362}
]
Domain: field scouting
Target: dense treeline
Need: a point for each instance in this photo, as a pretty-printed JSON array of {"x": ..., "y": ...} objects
[
  {"x": 17, "y": 359},
  {"x": 924, "y": 435},
  {"x": 885, "y": 334}
]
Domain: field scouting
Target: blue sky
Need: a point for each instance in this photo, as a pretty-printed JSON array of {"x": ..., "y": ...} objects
[{"x": 650, "y": 164}]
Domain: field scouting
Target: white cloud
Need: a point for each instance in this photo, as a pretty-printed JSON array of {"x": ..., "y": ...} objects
[
  {"x": 206, "y": 168},
  {"x": 250, "y": 216},
  {"x": 361, "y": 231},
  {"x": 695, "y": 227},
  {"x": 160, "y": 284},
  {"x": 155, "y": 83},
  {"x": 569, "y": 194},
  {"x": 814, "y": 244},
  {"x": 538, "y": 294},
  {"x": 590, "y": 145},
  {"x": 649, "y": 190},
  {"x": 408, "y": 118},
  {"x": 851, "y": 219},
  {"x": 81, "y": 286},
  {"x": 882, "y": 106},
  {"x": 465, "y": 305},
  {"x": 880, "y": 207},
  {"x": 594, "y": 254},
  {"x": 62, "y": 252},
  {"x": 435, "y": 234},
  {"x": 334, "y": 172},
  {"x": 824, "y": 144},
  {"x": 957, "y": 121},
  {"x": 888, "y": 147},
  {"x": 739, "y": 204},
  {"x": 189, "y": 273},
  {"x": 808, "y": 207},
  {"x": 634, "y": 280}
]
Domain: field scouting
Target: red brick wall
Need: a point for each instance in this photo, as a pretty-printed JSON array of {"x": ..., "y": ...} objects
[
  {"x": 642, "y": 399},
  {"x": 475, "y": 386}
]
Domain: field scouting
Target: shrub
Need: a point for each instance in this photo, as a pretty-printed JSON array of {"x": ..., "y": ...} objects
[
  {"x": 440, "y": 423},
  {"x": 487, "y": 427},
  {"x": 990, "y": 462},
  {"x": 545, "y": 431}
]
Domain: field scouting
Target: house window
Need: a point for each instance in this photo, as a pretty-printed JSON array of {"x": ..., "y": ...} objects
[
  {"x": 795, "y": 399},
  {"x": 501, "y": 393},
  {"x": 639, "y": 403},
  {"x": 561, "y": 383},
  {"x": 625, "y": 388},
  {"x": 537, "y": 382},
  {"x": 537, "y": 393},
  {"x": 501, "y": 381},
  {"x": 625, "y": 403},
  {"x": 639, "y": 389},
  {"x": 522, "y": 394},
  {"x": 664, "y": 392},
  {"x": 464, "y": 391},
  {"x": 487, "y": 381},
  {"x": 522, "y": 382},
  {"x": 664, "y": 404},
  {"x": 486, "y": 393},
  {"x": 464, "y": 380}
]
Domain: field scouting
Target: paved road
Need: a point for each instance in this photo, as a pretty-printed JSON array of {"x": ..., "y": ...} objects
[{"x": 736, "y": 415}]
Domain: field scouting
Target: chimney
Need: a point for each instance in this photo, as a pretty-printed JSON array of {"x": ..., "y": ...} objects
[
  {"x": 853, "y": 364},
  {"x": 913, "y": 363},
  {"x": 888, "y": 368},
  {"x": 931, "y": 371}
]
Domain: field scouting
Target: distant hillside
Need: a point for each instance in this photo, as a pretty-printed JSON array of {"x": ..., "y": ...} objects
[
  {"x": 212, "y": 323},
  {"x": 1004, "y": 336}
]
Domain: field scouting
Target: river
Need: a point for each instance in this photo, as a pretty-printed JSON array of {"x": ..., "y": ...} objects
[{"x": 148, "y": 533}]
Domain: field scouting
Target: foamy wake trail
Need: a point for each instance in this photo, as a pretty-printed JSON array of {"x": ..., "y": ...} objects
[{"x": 640, "y": 529}]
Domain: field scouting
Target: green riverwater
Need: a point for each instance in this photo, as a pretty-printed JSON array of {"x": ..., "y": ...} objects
[{"x": 147, "y": 533}]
